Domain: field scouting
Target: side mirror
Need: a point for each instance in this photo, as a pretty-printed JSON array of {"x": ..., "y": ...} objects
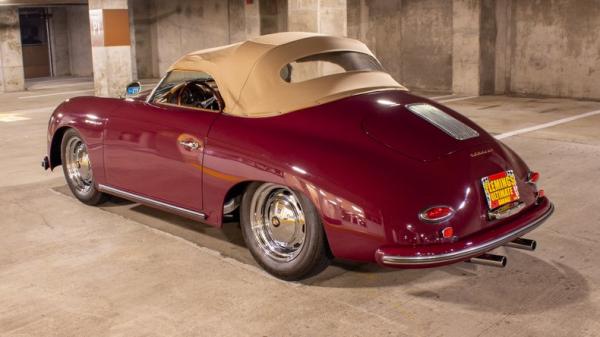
[{"x": 133, "y": 89}]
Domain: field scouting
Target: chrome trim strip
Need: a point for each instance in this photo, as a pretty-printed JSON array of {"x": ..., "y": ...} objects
[
  {"x": 471, "y": 251},
  {"x": 151, "y": 202}
]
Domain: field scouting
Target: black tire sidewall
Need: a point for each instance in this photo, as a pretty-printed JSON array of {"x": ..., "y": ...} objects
[{"x": 313, "y": 256}]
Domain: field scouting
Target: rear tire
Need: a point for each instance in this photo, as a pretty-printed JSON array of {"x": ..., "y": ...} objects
[
  {"x": 283, "y": 231},
  {"x": 77, "y": 169}
]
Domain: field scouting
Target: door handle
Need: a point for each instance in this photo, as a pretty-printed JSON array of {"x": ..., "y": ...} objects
[{"x": 189, "y": 145}]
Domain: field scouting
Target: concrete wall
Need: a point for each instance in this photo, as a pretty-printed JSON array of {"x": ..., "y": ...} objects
[
  {"x": 143, "y": 13},
  {"x": 273, "y": 16},
  {"x": 59, "y": 41},
  {"x": 412, "y": 39},
  {"x": 80, "y": 45},
  {"x": 426, "y": 46},
  {"x": 542, "y": 47},
  {"x": 71, "y": 44},
  {"x": 186, "y": 26},
  {"x": 555, "y": 48},
  {"x": 166, "y": 30},
  {"x": 11, "y": 54},
  {"x": 251, "y": 14},
  {"x": 473, "y": 47},
  {"x": 487, "y": 41},
  {"x": 322, "y": 16}
]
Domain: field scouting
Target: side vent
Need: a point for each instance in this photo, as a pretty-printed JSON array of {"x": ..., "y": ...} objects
[{"x": 450, "y": 125}]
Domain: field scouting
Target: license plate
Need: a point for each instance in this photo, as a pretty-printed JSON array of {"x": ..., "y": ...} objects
[{"x": 500, "y": 189}]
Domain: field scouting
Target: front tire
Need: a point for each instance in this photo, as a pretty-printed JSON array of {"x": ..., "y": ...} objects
[
  {"x": 283, "y": 231},
  {"x": 77, "y": 169}
]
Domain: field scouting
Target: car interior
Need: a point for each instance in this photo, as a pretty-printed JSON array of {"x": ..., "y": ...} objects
[{"x": 200, "y": 92}]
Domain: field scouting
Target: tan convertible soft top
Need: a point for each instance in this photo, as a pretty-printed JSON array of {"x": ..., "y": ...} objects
[{"x": 248, "y": 73}]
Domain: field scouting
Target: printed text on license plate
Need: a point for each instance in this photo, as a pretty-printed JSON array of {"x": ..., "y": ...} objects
[{"x": 500, "y": 189}]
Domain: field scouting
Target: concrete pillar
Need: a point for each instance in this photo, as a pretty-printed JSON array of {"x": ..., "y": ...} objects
[
  {"x": 473, "y": 47},
  {"x": 145, "y": 32},
  {"x": 319, "y": 16},
  {"x": 503, "y": 46},
  {"x": 273, "y": 16},
  {"x": 12, "y": 76},
  {"x": 59, "y": 41},
  {"x": 111, "y": 46},
  {"x": 244, "y": 20},
  {"x": 132, "y": 39},
  {"x": 358, "y": 19},
  {"x": 252, "y": 19},
  {"x": 80, "y": 45}
]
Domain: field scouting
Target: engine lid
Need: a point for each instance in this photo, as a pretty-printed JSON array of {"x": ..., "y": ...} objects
[{"x": 420, "y": 130}]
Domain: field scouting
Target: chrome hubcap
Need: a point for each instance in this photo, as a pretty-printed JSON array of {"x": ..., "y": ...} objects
[
  {"x": 78, "y": 165},
  {"x": 278, "y": 222}
]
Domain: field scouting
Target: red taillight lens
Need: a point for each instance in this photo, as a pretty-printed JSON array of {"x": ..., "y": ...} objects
[
  {"x": 533, "y": 177},
  {"x": 448, "y": 232},
  {"x": 437, "y": 214}
]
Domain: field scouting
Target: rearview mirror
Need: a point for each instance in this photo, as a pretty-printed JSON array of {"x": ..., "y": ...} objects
[{"x": 133, "y": 89}]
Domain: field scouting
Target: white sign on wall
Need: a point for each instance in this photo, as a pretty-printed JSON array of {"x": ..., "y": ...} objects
[{"x": 97, "y": 27}]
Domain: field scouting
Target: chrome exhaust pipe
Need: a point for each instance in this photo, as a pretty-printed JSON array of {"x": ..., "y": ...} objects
[
  {"x": 521, "y": 243},
  {"x": 489, "y": 260}
]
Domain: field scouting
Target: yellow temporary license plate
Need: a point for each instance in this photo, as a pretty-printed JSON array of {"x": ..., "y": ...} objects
[{"x": 500, "y": 189}]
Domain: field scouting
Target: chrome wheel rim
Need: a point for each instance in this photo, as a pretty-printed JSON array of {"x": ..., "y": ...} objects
[
  {"x": 278, "y": 222},
  {"x": 78, "y": 165}
]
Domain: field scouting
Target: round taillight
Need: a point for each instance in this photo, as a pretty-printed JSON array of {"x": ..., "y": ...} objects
[
  {"x": 541, "y": 194},
  {"x": 533, "y": 177},
  {"x": 447, "y": 232},
  {"x": 436, "y": 214}
]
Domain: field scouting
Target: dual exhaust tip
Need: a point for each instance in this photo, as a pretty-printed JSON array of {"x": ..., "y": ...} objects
[{"x": 500, "y": 260}]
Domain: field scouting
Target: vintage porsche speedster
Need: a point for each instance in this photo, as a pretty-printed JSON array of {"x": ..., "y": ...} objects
[{"x": 320, "y": 152}]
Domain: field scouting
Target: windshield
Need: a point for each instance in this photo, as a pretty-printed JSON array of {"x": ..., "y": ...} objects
[
  {"x": 191, "y": 89},
  {"x": 323, "y": 64},
  {"x": 176, "y": 77}
]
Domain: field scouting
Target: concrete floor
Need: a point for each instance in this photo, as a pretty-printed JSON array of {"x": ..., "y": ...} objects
[{"x": 67, "y": 269}]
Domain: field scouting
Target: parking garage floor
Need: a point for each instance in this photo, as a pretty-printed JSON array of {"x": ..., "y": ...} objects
[{"x": 67, "y": 269}]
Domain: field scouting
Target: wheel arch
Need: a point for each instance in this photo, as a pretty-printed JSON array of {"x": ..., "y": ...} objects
[
  {"x": 234, "y": 193},
  {"x": 55, "y": 146},
  {"x": 238, "y": 189}
]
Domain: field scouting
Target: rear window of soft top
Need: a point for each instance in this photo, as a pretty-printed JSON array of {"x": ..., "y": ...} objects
[{"x": 329, "y": 63}]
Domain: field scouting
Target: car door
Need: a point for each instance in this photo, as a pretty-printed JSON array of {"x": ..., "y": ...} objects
[{"x": 156, "y": 151}]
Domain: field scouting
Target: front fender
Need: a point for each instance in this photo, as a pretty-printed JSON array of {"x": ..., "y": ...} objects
[{"x": 87, "y": 115}]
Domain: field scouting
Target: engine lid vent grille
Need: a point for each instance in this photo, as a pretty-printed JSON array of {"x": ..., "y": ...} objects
[{"x": 443, "y": 121}]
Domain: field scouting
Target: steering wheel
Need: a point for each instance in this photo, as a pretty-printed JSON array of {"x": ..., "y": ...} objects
[{"x": 199, "y": 94}]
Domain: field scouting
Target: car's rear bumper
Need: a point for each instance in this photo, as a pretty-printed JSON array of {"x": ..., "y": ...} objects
[{"x": 435, "y": 255}]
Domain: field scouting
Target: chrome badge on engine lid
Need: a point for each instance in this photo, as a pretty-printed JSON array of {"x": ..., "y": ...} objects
[{"x": 500, "y": 189}]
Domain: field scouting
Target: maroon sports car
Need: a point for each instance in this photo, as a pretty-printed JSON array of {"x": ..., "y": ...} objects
[{"x": 320, "y": 152}]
